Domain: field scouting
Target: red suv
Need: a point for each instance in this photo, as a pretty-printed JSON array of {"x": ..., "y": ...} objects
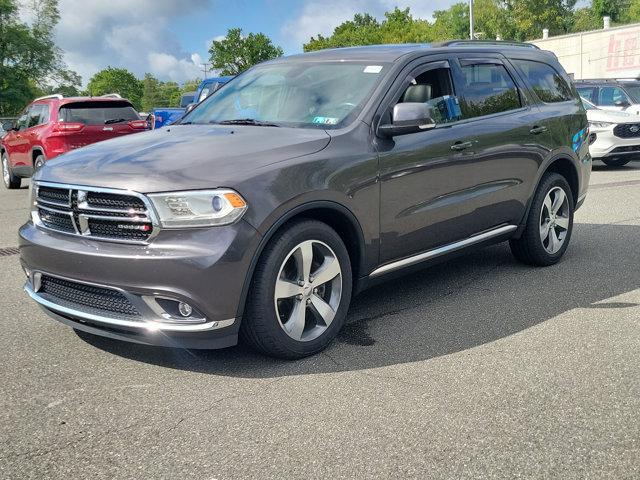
[{"x": 53, "y": 125}]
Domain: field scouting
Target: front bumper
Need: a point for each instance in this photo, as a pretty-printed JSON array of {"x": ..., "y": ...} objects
[
  {"x": 205, "y": 268},
  {"x": 607, "y": 145}
]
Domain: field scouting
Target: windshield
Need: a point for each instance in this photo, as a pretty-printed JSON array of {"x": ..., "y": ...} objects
[
  {"x": 302, "y": 94},
  {"x": 633, "y": 89}
]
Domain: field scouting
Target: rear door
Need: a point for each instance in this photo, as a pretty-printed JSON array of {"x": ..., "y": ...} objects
[
  {"x": 508, "y": 150},
  {"x": 16, "y": 141},
  {"x": 94, "y": 121}
]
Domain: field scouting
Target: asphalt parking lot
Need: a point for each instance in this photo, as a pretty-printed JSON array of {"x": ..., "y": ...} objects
[{"x": 480, "y": 367}]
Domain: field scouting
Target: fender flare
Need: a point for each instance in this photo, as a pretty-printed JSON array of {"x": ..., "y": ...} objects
[
  {"x": 541, "y": 171},
  {"x": 295, "y": 211}
]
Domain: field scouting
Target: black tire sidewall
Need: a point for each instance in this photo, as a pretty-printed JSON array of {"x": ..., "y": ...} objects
[
  {"x": 549, "y": 182},
  {"x": 261, "y": 306}
]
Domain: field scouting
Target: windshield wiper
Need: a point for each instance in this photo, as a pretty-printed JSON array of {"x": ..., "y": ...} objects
[
  {"x": 245, "y": 121},
  {"x": 114, "y": 120}
]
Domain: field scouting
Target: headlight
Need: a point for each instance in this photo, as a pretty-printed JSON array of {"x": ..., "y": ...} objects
[
  {"x": 199, "y": 208},
  {"x": 600, "y": 124}
]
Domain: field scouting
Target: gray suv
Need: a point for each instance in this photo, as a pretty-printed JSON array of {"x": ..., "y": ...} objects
[{"x": 301, "y": 182}]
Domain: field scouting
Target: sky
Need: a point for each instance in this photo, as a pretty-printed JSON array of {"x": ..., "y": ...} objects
[{"x": 171, "y": 38}]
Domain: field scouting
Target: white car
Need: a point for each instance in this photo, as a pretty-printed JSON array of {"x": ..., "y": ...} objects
[{"x": 617, "y": 135}]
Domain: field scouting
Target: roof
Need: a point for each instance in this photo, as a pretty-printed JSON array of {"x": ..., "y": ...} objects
[{"x": 392, "y": 52}]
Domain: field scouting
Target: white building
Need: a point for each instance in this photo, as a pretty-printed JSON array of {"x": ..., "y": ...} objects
[{"x": 606, "y": 53}]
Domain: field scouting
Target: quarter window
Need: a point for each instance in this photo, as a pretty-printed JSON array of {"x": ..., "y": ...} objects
[
  {"x": 487, "y": 89},
  {"x": 546, "y": 82}
]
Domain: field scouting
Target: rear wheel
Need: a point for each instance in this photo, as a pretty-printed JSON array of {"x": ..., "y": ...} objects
[
  {"x": 549, "y": 224},
  {"x": 300, "y": 293},
  {"x": 38, "y": 163},
  {"x": 9, "y": 179},
  {"x": 615, "y": 162}
]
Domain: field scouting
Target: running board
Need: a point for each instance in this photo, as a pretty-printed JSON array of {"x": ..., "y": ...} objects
[{"x": 437, "y": 252}]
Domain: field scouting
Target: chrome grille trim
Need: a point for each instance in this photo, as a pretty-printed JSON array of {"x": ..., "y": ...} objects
[{"x": 81, "y": 212}]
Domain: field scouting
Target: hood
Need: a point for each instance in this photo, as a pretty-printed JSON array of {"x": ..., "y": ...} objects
[
  {"x": 612, "y": 116},
  {"x": 182, "y": 157}
]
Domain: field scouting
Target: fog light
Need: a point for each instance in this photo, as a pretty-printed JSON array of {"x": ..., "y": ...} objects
[{"x": 185, "y": 309}]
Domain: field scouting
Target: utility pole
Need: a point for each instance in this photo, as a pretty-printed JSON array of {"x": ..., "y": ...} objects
[
  {"x": 471, "y": 34},
  {"x": 205, "y": 68}
]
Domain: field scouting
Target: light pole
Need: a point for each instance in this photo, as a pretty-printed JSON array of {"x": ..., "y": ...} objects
[
  {"x": 471, "y": 19},
  {"x": 205, "y": 69}
]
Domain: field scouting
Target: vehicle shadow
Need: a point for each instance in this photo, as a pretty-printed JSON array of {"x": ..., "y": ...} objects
[{"x": 476, "y": 299}]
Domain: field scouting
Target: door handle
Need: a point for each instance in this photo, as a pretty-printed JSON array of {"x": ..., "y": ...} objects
[
  {"x": 459, "y": 146},
  {"x": 538, "y": 130}
]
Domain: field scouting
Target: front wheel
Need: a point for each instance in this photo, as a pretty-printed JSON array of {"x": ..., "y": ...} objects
[
  {"x": 9, "y": 179},
  {"x": 300, "y": 292},
  {"x": 549, "y": 224},
  {"x": 615, "y": 162}
]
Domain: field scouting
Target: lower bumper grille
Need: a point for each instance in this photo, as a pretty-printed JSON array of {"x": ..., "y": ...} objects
[{"x": 88, "y": 298}]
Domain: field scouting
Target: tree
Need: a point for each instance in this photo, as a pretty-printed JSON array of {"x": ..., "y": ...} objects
[
  {"x": 191, "y": 85},
  {"x": 235, "y": 53},
  {"x": 527, "y": 18},
  {"x": 116, "y": 80},
  {"x": 29, "y": 59}
]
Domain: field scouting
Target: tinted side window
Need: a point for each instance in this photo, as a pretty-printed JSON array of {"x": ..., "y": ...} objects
[
  {"x": 37, "y": 115},
  {"x": 612, "y": 96},
  {"x": 548, "y": 84},
  {"x": 487, "y": 89},
  {"x": 98, "y": 113}
]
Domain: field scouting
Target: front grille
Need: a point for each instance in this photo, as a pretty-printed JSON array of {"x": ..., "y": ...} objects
[
  {"x": 87, "y": 298},
  {"x": 56, "y": 220},
  {"x": 112, "y": 200},
  {"x": 96, "y": 214},
  {"x": 627, "y": 130}
]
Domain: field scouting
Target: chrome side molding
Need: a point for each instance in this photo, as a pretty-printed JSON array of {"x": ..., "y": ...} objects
[{"x": 436, "y": 252}]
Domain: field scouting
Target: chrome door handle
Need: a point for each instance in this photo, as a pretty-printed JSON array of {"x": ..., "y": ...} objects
[
  {"x": 458, "y": 146},
  {"x": 538, "y": 130}
]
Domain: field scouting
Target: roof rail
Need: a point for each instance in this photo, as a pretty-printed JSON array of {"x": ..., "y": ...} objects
[
  {"x": 496, "y": 43},
  {"x": 55, "y": 95},
  {"x": 110, "y": 95}
]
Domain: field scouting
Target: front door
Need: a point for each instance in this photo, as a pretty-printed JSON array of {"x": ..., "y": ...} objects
[{"x": 460, "y": 178}]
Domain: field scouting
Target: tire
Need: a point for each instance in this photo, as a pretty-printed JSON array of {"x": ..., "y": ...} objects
[
  {"x": 269, "y": 324},
  {"x": 38, "y": 163},
  {"x": 533, "y": 247},
  {"x": 9, "y": 179},
  {"x": 615, "y": 162}
]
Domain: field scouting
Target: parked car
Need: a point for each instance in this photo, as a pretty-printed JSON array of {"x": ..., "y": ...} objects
[
  {"x": 617, "y": 135},
  {"x": 612, "y": 94},
  {"x": 263, "y": 217},
  {"x": 168, "y": 115},
  {"x": 53, "y": 125}
]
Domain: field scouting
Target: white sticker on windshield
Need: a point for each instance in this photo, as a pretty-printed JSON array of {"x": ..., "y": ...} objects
[{"x": 372, "y": 69}]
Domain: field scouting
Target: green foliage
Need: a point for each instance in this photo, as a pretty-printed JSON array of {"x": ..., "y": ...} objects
[
  {"x": 235, "y": 53},
  {"x": 527, "y": 18},
  {"x": 116, "y": 80},
  {"x": 29, "y": 59}
]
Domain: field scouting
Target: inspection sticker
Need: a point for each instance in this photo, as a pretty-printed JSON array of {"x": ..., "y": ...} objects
[
  {"x": 325, "y": 120},
  {"x": 372, "y": 69}
]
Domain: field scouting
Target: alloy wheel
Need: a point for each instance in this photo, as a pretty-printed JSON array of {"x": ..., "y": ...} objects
[
  {"x": 554, "y": 220},
  {"x": 308, "y": 290}
]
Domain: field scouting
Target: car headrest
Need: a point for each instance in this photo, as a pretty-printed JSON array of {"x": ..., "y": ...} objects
[{"x": 417, "y": 93}]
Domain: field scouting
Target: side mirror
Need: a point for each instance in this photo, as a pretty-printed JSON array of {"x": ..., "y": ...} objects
[
  {"x": 409, "y": 117},
  {"x": 622, "y": 103},
  {"x": 190, "y": 107}
]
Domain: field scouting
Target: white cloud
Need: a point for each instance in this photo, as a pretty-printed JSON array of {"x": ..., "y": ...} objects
[{"x": 122, "y": 33}]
